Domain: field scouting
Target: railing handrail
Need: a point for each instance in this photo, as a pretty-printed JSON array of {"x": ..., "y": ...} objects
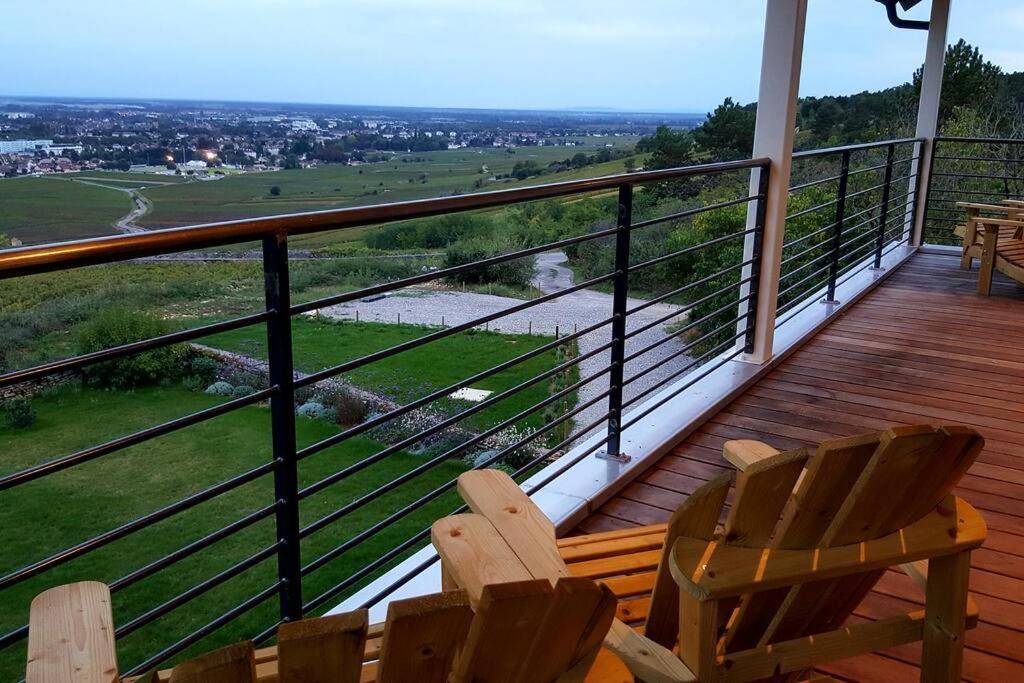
[
  {"x": 995, "y": 141},
  {"x": 806, "y": 154},
  {"x": 96, "y": 250}
]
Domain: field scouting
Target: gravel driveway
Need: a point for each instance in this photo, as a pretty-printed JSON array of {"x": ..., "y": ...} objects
[{"x": 565, "y": 314}]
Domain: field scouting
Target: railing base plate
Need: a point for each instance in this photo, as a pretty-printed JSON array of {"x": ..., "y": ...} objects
[
  {"x": 605, "y": 455},
  {"x": 830, "y": 302}
]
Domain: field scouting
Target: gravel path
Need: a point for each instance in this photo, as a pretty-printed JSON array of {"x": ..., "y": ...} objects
[{"x": 565, "y": 314}]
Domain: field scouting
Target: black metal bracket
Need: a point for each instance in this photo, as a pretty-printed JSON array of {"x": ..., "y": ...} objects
[{"x": 899, "y": 22}]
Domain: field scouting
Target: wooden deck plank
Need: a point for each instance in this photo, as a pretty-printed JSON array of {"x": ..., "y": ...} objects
[{"x": 896, "y": 357}]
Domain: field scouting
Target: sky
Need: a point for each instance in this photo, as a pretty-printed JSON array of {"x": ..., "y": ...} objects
[{"x": 648, "y": 55}]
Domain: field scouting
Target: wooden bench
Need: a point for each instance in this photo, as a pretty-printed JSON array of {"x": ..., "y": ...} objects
[{"x": 993, "y": 234}]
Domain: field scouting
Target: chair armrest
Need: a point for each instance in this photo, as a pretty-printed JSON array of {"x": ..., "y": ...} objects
[
  {"x": 996, "y": 223},
  {"x": 742, "y": 453},
  {"x": 981, "y": 206},
  {"x": 710, "y": 570}
]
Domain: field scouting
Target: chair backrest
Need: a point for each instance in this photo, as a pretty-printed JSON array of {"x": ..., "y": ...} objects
[
  {"x": 844, "y": 492},
  {"x": 520, "y": 631}
]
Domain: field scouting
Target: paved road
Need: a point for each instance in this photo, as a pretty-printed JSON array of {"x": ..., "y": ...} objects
[{"x": 573, "y": 311}]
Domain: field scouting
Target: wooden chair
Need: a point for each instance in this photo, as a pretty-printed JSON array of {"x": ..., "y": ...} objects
[
  {"x": 766, "y": 597},
  {"x": 514, "y": 631},
  {"x": 993, "y": 234}
]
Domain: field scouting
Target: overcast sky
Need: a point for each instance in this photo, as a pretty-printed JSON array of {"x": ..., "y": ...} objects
[{"x": 647, "y": 55}]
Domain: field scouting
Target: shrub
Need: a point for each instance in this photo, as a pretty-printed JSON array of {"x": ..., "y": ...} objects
[
  {"x": 114, "y": 327},
  {"x": 19, "y": 413},
  {"x": 275, "y": 191},
  {"x": 240, "y": 377},
  {"x": 347, "y": 408},
  {"x": 317, "y": 411},
  {"x": 514, "y": 273},
  {"x": 220, "y": 389},
  {"x": 202, "y": 369},
  {"x": 242, "y": 390}
]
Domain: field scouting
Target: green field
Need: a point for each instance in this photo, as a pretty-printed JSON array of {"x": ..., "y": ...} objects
[
  {"x": 48, "y": 515},
  {"x": 405, "y": 376},
  {"x": 38, "y": 210},
  {"x": 54, "y": 209}
]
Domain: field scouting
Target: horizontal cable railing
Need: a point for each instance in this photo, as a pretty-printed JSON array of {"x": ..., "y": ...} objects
[
  {"x": 320, "y": 511},
  {"x": 848, "y": 208},
  {"x": 981, "y": 170}
]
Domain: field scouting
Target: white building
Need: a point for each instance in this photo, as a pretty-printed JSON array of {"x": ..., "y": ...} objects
[{"x": 23, "y": 146}]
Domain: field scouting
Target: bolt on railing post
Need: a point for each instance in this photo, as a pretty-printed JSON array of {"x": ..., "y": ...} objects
[
  {"x": 883, "y": 216},
  {"x": 837, "y": 236},
  {"x": 756, "y": 253},
  {"x": 282, "y": 421},
  {"x": 618, "y": 348}
]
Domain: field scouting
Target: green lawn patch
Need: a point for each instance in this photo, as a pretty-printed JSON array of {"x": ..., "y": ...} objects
[
  {"x": 320, "y": 343},
  {"x": 53, "y": 209},
  {"x": 48, "y": 515}
]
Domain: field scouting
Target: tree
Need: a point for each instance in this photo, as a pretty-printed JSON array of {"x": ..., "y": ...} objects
[
  {"x": 668, "y": 148},
  {"x": 968, "y": 80},
  {"x": 275, "y": 191},
  {"x": 728, "y": 132}
]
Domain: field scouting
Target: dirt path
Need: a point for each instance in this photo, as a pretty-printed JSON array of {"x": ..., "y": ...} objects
[{"x": 140, "y": 207}]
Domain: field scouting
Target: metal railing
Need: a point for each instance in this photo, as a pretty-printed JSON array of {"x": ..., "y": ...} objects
[
  {"x": 861, "y": 199},
  {"x": 984, "y": 170},
  {"x": 715, "y": 314}
]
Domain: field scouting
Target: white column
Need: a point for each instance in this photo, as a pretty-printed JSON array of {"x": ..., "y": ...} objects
[
  {"x": 928, "y": 112},
  {"x": 781, "y": 59}
]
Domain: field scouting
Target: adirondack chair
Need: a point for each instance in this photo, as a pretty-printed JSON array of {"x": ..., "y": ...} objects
[
  {"x": 514, "y": 631},
  {"x": 808, "y": 533},
  {"x": 995, "y": 238}
]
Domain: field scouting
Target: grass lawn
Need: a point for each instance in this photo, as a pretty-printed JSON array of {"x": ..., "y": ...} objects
[
  {"x": 53, "y": 513},
  {"x": 39, "y": 313},
  {"x": 319, "y": 344},
  {"x": 54, "y": 209}
]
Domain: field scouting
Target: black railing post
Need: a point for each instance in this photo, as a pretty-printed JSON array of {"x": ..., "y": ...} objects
[
  {"x": 618, "y": 349},
  {"x": 756, "y": 253},
  {"x": 883, "y": 217},
  {"x": 282, "y": 421},
  {"x": 837, "y": 237}
]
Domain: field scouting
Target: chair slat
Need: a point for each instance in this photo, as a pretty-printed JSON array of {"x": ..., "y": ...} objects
[
  {"x": 503, "y": 631},
  {"x": 323, "y": 650},
  {"x": 762, "y": 490},
  {"x": 695, "y": 518},
  {"x": 577, "y": 618},
  {"x": 232, "y": 664},
  {"x": 71, "y": 635},
  {"x": 422, "y": 637}
]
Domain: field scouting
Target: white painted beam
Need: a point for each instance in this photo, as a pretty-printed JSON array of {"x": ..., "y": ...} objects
[
  {"x": 781, "y": 59},
  {"x": 928, "y": 113}
]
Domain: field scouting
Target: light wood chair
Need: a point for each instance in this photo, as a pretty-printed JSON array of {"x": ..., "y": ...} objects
[
  {"x": 513, "y": 631},
  {"x": 767, "y": 595},
  {"x": 993, "y": 234}
]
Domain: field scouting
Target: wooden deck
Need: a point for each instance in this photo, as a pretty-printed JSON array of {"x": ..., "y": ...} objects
[{"x": 922, "y": 348}]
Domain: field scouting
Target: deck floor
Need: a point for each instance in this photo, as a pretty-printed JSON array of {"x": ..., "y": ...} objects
[{"x": 922, "y": 348}]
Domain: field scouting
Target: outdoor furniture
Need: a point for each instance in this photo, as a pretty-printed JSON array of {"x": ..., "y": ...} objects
[
  {"x": 997, "y": 241},
  {"x": 807, "y": 535},
  {"x": 515, "y": 631}
]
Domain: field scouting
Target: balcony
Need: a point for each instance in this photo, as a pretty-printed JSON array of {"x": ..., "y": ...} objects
[{"x": 820, "y": 296}]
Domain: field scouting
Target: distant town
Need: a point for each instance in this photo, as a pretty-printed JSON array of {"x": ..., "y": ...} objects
[{"x": 209, "y": 140}]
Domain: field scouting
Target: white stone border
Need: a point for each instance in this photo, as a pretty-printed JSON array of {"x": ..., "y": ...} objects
[{"x": 579, "y": 489}]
